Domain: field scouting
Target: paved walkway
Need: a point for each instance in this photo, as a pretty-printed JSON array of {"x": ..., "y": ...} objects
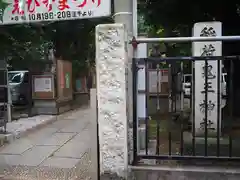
[{"x": 61, "y": 150}]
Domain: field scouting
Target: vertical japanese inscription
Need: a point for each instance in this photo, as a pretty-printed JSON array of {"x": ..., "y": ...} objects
[
  {"x": 207, "y": 70},
  {"x": 209, "y": 124},
  {"x": 206, "y": 92},
  {"x": 208, "y": 31},
  {"x": 210, "y": 106}
]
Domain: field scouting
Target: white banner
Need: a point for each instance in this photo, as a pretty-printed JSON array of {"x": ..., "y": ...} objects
[
  {"x": 24, "y": 11},
  {"x": 207, "y": 49}
]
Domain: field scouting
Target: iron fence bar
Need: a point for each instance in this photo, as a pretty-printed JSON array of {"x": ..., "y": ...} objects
[
  {"x": 193, "y": 108},
  {"x": 135, "y": 118},
  {"x": 177, "y": 157},
  {"x": 181, "y": 109},
  {"x": 170, "y": 95},
  {"x": 206, "y": 108},
  {"x": 219, "y": 78},
  {"x": 231, "y": 101},
  {"x": 146, "y": 105},
  {"x": 170, "y": 156},
  {"x": 158, "y": 108},
  {"x": 29, "y": 96},
  {"x": 170, "y": 142},
  {"x": 185, "y": 39},
  {"x": 6, "y": 102},
  {"x": 98, "y": 141}
]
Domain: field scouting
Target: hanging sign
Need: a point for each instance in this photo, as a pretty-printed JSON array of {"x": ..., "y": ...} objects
[{"x": 25, "y": 11}]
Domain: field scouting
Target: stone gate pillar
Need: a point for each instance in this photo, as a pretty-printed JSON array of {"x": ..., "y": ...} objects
[{"x": 111, "y": 68}]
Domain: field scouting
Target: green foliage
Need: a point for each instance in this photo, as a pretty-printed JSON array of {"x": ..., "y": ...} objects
[
  {"x": 177, "y": 17},
  {"x": 27, "y": 45},
  {"x": 3, "y": 6}
]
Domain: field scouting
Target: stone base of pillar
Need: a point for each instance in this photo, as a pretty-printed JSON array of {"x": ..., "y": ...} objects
[{"x": 110, "y": 176}]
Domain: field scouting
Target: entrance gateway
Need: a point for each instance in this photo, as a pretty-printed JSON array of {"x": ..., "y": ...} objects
[
  {"x": 30, "y": 11},
  {"x": 194, "y": 128},
  {"x": 35, "y": 11}
]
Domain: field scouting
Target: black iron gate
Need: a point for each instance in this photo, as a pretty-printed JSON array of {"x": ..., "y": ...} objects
[
  {"x": 3, "y": 96},
  {"x": 171, "y": 135}
]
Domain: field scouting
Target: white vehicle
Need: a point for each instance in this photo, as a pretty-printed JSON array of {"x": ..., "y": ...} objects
[
  {"x": 187, "y": 78},
  {"x": 224, "y": 85},
  {"x": 19, "y": 84}
]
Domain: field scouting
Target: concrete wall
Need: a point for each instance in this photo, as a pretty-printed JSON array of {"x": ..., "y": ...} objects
[{"x": 181, "y": 173}]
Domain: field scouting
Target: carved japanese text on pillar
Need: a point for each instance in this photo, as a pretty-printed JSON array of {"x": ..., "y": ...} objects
[
  {"x": 208, "y": 69},
  {"x": 208, "y": 50},
  {"x": 210, "y": 106},
  {"x": 207, "y": 105},
  {"x": 208, "y": 88},
  {"x": 210, "y": 75},
  {"x": 207, "y": 76},
  {"x": 208, "y": 31},
  {"x": 208, "y": 123}
]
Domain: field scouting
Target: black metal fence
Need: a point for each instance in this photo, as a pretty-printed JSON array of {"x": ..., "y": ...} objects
[{"x": 174, "y": 135}]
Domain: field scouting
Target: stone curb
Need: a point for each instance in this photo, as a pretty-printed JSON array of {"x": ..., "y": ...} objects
[{"x": 8, "y": 138}]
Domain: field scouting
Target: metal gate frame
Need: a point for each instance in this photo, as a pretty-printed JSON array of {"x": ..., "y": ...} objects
[{"x": 135, "y": 68}]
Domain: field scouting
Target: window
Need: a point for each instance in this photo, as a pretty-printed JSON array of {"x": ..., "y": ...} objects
[
  {"x": 187, "y": 78},
  {"x": 16, "y": 78}
]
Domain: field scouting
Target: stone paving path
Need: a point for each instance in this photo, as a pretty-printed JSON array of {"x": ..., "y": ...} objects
[{"x": 61, "y": 150}]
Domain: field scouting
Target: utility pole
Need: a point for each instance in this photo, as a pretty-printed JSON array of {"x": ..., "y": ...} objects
[{"x": 124, "y": 15}]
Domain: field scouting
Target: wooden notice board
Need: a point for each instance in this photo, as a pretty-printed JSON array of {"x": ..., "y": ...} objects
[
  {"x": 64, "y": 80},
  {"x": 43, "y": 86}
]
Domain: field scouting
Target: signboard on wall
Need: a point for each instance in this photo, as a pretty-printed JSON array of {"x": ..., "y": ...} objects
[
  {"x": 81, "y": 85},
  {"x": 67, "y": 80},
  {"x": 43, "y": 86},
  {"x": 25, "y": 11},
  {"x": 207, "y": 49},
  {"x": 64, "y": 80}
]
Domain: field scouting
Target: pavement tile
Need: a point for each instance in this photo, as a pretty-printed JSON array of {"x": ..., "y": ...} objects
[
  {"x": 61, "y": 144},
  {"x": 18, "y": 147},
  {"x": 57, "y": 162},
  {"x": 41, "y": 134},
  {"x": 9, "y": 159},
  {"x": 56, "y": 139},
  {"x": 35, "y": 155},
  {"x": 72, "y": 150},
  {"x": 60, "y": 123},
  {"x": 76, "y": 127}
]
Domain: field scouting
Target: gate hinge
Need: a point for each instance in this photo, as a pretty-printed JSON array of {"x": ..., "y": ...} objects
[
  {"x": 136, "y": 67},
  {"x": 139, "y": 68},
  {"x": 134, "y": 43}
]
